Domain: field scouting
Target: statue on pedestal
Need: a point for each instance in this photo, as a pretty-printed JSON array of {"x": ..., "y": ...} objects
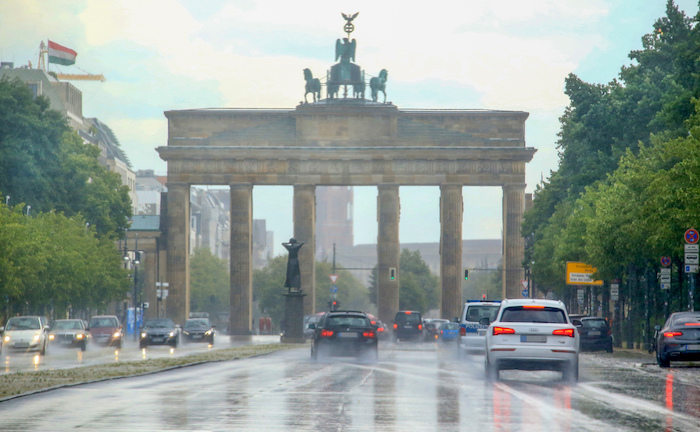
[{"x": 293, "y": 281}]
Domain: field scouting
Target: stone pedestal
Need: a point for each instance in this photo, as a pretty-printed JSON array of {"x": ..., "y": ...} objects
[
  {"x": 294, "y": 318},
  {"x": 513, "y": 241},
  {"x": 305, "y": 232},
  {"x": 241, "y": 266},
  {"x": 451, "y": 211},
  {"x": 388, "y": 252}
]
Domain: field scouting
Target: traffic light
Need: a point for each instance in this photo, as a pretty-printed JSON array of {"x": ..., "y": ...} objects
[
  {"x": 392, "y": 273},
  {"x": 466, "y": 274},
  {"x": 334, "y": 305}
]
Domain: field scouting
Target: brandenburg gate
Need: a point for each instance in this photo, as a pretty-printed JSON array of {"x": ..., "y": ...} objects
[{"x": 343, "y": 141}]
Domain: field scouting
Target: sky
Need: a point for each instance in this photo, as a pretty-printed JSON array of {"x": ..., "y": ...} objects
[{"x": 162, "y": 55}]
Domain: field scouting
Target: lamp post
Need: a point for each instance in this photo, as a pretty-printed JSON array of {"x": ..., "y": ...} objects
[
  {"x": 28, "y": 208},
  {"x": 136, "y": 276},
  {"x": 7, "y": 200}
]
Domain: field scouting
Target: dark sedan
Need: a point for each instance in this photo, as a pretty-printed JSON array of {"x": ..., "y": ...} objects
[
  {"x": 344, "y": 334},
  {"x": 159, "y": 331},
  {"x": 595, "y": 334},
  {"x": 678, "y": 339},
  {"x": 198, "y": 330}
]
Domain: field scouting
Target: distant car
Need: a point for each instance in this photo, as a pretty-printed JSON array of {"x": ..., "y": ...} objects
[
  {"x": 344, "y": 334},
  {"x": 159, "y": 331},
  {"x": 70, "y": 333},
  {"x": 408, "y": 325},
  {"x": 27, "y": 333},
  {"x": 472, "y": 333},
  {"x": 106, "y": 330},
  {"x": 448, "y": 332},
  {"x": 198, "y": 330},
  {"x": 432, "y": 329},
  {"x": 532, "y": 334},
  {"x": 382, "y": 330},
  {"x": 678, "y": 339},
  {"x": 595, "y": 334},
  {"x": 310, "y": 319}
]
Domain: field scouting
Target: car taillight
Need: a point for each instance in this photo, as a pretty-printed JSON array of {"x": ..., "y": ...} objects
[
  {"x": 564, "y": 332},
  {"x": 326, "y": 333},
  {"x": 533, "y": 307},
  {"x": 369, "y": 334},
  {"x": 396, "y": 326},
  {"x": 502, "y": 330},
  {"x": 692, "y": 324},
  {"x": 373, "y": 322},
  {"x": 380, "y": 329},
  {"x": 462, "y": 331},
  {"x": 673, "y": 334},
  {"x": 420, "y": 326}
]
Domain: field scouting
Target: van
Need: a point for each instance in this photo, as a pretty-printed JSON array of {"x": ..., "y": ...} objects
[{"x": 408, "y": 325}]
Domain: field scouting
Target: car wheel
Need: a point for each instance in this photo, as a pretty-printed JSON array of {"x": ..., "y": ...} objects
[
  {"x": 570, "y": 372},
  {"x": 490, "y": 369},
  {"x": 83, "y": 346},
  {"x": 662, "y": 360},
  {"x": 44, "y": 348},
  {"x": 119, "y": 344},
  {"x": 142, "y": 345},
  {"x": 212, "y": 340},
  {"x": 373, "y": 355},
  {"x": 609, "y": 348}
]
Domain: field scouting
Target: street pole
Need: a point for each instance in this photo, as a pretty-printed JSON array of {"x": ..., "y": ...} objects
[
  {"x": 691, "y": 292},
  {"x": 136, "y": 276}
]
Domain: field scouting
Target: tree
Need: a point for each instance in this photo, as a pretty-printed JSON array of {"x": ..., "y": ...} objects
[{"x": 209, "y": 283}]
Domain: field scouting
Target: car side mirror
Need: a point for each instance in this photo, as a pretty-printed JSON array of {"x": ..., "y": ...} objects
[
  {"x": 577, "y": 323},
  {"x": 657, "y": 327},
  {"x": 46, "y": 328},
  {"x": 485, "y": 321},
  {"x": 312, "y": 326},
  {"x": 2, "y": 329}
]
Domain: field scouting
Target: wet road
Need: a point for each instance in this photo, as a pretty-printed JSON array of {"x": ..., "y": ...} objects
[
  {"x": 412, "y": 388},
  {"x": 63, "y": 358}
]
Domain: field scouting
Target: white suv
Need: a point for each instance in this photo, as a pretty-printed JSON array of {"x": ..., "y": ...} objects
[
  {"x": 472, "y": 332},
  {"x": 532, "y": 334}
]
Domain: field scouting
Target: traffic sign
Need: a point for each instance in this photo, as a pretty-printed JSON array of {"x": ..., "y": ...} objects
[
  {"x": 691, "y": 268},
  {"x": 665, "y": 261},
  {"x": 691, "y": 258},
  {"x": 692, "y": 248},
  {"x": 665, "y": 286},
  {"x": 526, "y": 293},
  {"x": 580, "y": 294},
  {"x": 665, "y": 279},
  {"x": 334, "y": 289},
  {"x": 525, "y": 283},
  {"x": 334, "y": 278},
  {"x": 614, "y": 292},
  {"x": 691, "y": 236}
]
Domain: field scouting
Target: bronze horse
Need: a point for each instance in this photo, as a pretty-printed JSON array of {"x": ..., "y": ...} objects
[
  {"x": 313, "y": 85},
  {"x": 378, "y": 84}
]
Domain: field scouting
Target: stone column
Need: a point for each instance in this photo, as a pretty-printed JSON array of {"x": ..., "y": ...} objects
[
  {"x": 178, "y": 217},
  {"x": 513, "y": 241},
  {"x": 451, "y": 211},
  {"x": 305, "y": 232},
  {"x": 388, "y": 252},
  {"x": 241, "y": 266}
]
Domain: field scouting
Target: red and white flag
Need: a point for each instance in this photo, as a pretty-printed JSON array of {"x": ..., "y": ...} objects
[{"x": 58, "y": 54}]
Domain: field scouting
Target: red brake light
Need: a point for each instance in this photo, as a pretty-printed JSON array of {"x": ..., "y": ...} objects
[
  {"x": 326, "y": 333},
  {"x": 396, "y": 326},
  {"x": 564, "y": 332},
  {"x": 462, "y": 331},
  {"x": 369, "y": 334},
  {"x": 408, "y": 312},
  {"x": 420, "y": 326},
  {"x": 692, "y": 324},
  {"x": 502, "y": 330},
  {"x": 373, "y": 322},
  {"x": 533, "y": 307},
  {"x": 380, "y": 329},
  {"x": 672, "y": 334}
]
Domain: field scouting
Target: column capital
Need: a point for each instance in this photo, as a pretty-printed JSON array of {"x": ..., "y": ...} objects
[
  {"x": 388, "y": 186},
  {"x": 451, "y": 185},
  {"x": 305, "y": 186},
  {"x": 244, "y": 186},
  {"x": 514, "y": 186}
]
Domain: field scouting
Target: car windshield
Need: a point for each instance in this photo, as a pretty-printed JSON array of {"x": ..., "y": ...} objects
[
  {"x": 476, "y": 312},
  {"x": 197, "y": 324},
  {"x": 159, "y": 323},
  {"x": 403, "y": 318},
  {"x": 687, "y": 319},
  {"x": 594, "y": 323},
  {"x": 347, "y": 321},
  {"x": 103, "y": 322},
  {"x": 67, "y": 325},
  {"x": 23, "y": 323},
  {"x": 532, "y": 315}
]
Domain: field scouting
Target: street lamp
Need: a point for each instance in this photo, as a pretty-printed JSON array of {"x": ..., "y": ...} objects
[
  {"x": 28, "y": 208},
  {"x": 7, "y": 200}
]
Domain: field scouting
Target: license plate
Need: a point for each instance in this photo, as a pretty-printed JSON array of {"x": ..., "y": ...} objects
[
  {"x": 593, "y": 333},
  {"x": 692, "y": 347},
  {"x": 158, "y": 339},
  {"x": 65, "y": 341},
  {"x": 347, "y": 335},
  {"x": 197, "y": 336},
  {"x": 407, "y": 327},
  {"x": 533, "y": 338}
]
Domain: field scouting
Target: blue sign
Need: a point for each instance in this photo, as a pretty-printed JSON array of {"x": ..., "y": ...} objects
[
  {"x": 334, "y": 289},
  {"x": 130, "y": 321},
  {"x": 526, "y": 293}
]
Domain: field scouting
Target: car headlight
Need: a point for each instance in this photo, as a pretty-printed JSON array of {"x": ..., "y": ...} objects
[
  {"x": 117, "y": 335},
  {"x": 51, "y": 337},
  {"x": 79, "y": 336},
  {"x": 143, "y": 335},
  {"x": 172, "y": 334},
  {"x": 208, "y": 332},
  {"x": 7, "y": 338},
  {"x": 37, "y": 337}
]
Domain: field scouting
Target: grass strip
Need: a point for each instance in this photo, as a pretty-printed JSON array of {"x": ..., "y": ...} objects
[{"x": 22, "y": 383}]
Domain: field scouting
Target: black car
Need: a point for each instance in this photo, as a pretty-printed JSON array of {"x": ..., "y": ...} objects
[
  {"x": 344, "y": 334},
  {"x": 198, "y": 330},
  {"x": 159, "y": 331},
  {"x": 678, "y": 339},
  {"x": 408, "y": 325},
  {"x": 432, "y": 329},
  {"x": 594, "y": 334}
]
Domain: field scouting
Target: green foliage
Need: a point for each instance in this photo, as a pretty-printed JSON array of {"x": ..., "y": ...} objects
[{"x": 209, "y": 283}]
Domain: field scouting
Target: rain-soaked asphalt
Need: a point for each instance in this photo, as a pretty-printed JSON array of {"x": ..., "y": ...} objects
[{"x": 412, "y": 388}]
